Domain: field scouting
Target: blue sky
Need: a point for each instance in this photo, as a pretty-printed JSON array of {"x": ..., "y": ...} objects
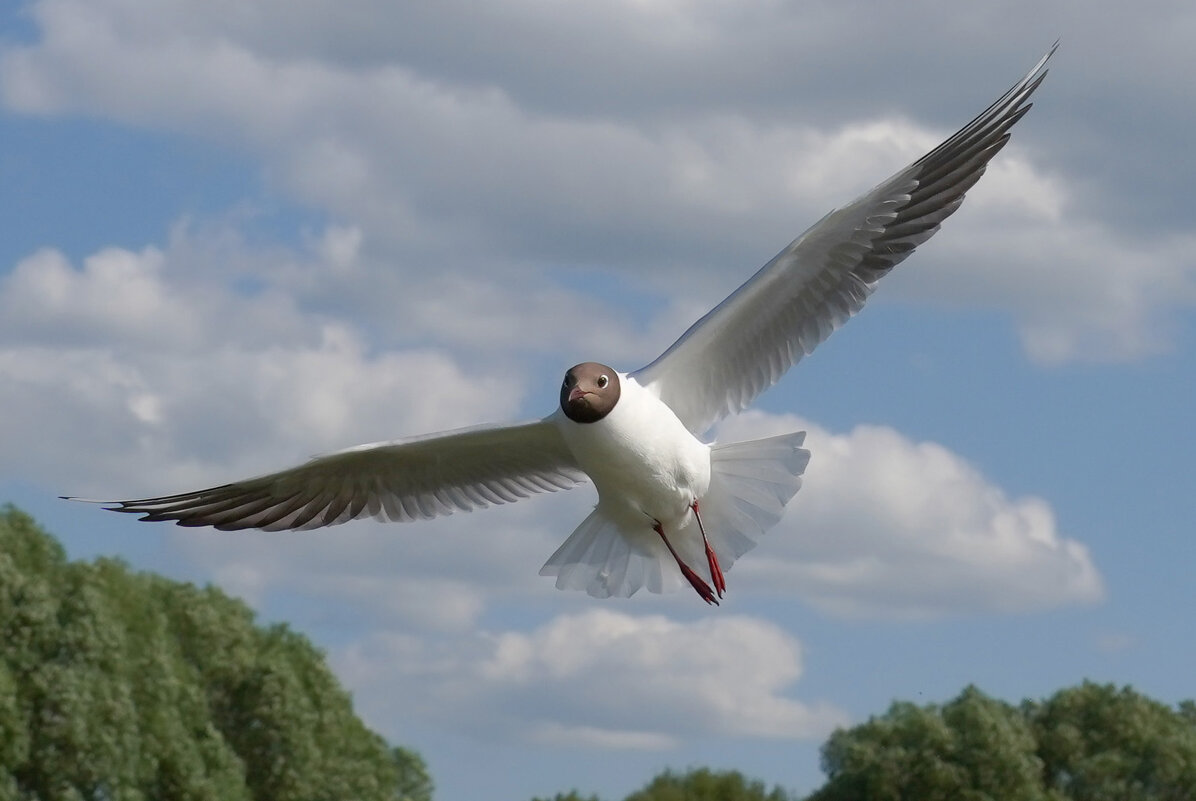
[{"x": 232, "y": 240}]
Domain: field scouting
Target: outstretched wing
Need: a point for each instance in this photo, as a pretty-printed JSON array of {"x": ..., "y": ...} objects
[
  {"x": 399, "y": 481},
  {"x": 746, "y": 343}
]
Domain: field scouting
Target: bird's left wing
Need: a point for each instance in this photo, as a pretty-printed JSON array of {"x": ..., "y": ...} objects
[
  {"x": 747, "y": 342},
  {"x": 404, "y": 480}
]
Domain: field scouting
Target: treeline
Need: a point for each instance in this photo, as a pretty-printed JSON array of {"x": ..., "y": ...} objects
[
  {"x": 1093, "y": 742},
  {"x": 117, "y": 685}
]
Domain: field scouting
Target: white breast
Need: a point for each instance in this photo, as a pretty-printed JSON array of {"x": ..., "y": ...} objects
[{"x": 643, "y": 461}]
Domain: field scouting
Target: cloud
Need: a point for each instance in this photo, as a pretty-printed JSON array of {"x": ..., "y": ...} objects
[
  {"x": 118, "y": 295},
  {"x": 432, "y": 161},
  {"x": 600, "y": 679},
  {"x": 1077, "y": 288},
  {"x": 891, "y": 528},
  {"x": 126, "y": 375},
  {"x": 434, "y": 576},
  {"x": 488, "y": 167},
  {"x": 146, "y": 423}
]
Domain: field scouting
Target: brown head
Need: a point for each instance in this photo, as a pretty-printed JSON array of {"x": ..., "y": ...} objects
[{"x": 589, "y": 392}]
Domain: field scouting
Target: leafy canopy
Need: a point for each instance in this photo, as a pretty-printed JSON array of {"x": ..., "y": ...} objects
[
  {"x": 1093, "y": 742},
  {"x": 128, "y": 686}
]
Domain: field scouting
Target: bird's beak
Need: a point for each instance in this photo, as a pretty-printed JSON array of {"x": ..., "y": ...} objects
[{"x": 575, "y": 393}]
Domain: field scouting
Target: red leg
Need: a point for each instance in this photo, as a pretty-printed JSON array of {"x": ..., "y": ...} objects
[
  {"x": 696, "y": 581},
  {"x": 716, "y": 570}
]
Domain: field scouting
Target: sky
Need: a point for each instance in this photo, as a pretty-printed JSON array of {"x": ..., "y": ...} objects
[{"x": 233, "y": 235}]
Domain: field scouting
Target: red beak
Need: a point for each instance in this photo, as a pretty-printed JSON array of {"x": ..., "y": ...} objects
[{"x": 575, "y": 393}]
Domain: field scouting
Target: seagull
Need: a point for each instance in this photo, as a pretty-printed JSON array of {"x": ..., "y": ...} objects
[{"x": 669, "y": 504}]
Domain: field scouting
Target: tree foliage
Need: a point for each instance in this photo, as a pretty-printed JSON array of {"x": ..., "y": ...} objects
[
  {"x": 1098, "y": 743},
  {"x": 703, "y": 784},
  {"x": 970, "y": 749},
  {"x": 128, "y": 686},
  {"x": 698, "y": 784},
  {"x": 1088, "y": 743}
]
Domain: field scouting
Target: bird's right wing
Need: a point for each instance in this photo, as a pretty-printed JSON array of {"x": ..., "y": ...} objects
[
  {"x": 747, "y": 342},
  {"x": 404, "y": 480}
]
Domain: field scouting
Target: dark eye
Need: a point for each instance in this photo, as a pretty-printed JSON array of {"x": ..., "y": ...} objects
[{"x": 603, "y": 381}]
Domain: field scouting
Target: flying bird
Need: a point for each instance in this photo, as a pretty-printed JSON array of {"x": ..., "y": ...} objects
[{"x": 672, "y": 509}]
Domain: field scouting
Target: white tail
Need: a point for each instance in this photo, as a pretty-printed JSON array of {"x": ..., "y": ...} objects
[{"x": 750, "y": 483}]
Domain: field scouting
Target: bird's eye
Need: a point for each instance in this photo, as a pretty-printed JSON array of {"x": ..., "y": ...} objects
[{"x": 603, "y": 381}]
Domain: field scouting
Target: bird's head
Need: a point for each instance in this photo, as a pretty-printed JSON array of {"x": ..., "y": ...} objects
[{"x": 589, "y": 392}]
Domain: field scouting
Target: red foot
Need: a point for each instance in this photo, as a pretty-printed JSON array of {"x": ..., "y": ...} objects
[
  {"x": 699, "y": 584},
  {"x": 695, "y": 581},
  {"x": 716, "y": 570}
]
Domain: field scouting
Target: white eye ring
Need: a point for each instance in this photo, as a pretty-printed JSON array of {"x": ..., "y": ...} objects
[{"x": 603, "y": 381}]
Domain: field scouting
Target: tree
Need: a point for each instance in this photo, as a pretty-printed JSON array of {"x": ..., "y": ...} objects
[
  {"x": 972, "y": 748},
  {"x": 703, "y": 784},
  {"x": 414, "y": 781},
  {"x": 1089, "y": 743},
  {"x": 699, "y": 784},
  {"x": 128, "y": 686},
  {"x": 1099, "y": 743}
]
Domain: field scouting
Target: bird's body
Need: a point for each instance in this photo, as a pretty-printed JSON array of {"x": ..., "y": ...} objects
[
  {"x": 666, "y": 500},
  {"x": 644, "y": 463},
  {"x": 650, "y": 472}
]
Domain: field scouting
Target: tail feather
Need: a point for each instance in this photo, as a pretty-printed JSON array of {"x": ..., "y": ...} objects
[
  {"x": 599, "y": 557},
  {"x": 750, "y": 483}
]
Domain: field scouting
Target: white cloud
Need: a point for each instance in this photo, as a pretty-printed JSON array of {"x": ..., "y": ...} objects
[
  {"x": 436, "y": 576},
  {"x": 146, "y": 423},
  {"x": 118, "y": 295},
  {"x": 592, "y": 737},
  {"x": 599, "y": 678},
  {"x": 1077, "y": 288},
  {"x": 128, "y": 375},
  {"x": 888, "y": 527},
  {"x": 435, "y": 166}
]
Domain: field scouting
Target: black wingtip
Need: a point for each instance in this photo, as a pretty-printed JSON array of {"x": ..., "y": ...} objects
[
  {"x": 1046, "y": 56},
  {"x": 77, "y": 499}
]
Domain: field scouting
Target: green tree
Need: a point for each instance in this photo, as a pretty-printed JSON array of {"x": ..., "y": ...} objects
[
  {"x": 1088, "y": 743},
  {"x": 414, "y": 781},
  {"x": 127, "y": 686},
  {"x": 1101, "y": 743},
  {"x": 703, "y": 784},
  {"x": 972, "y": 749}
]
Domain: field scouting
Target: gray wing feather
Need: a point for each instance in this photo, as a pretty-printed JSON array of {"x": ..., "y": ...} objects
[
  {"x": 400, "y": 481},
  {"x": 746, "y": 343}
]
